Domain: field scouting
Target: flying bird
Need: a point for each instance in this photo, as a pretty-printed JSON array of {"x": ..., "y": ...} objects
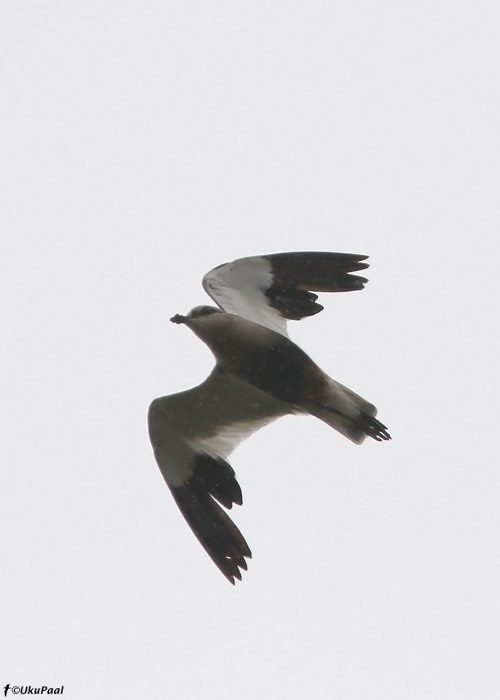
[{"x": 259, "y": 376}]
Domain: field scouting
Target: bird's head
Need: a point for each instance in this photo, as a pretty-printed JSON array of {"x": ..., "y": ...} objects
[
  {"x": 207, "y": 322},
  {"x": 199, "y": 312}
]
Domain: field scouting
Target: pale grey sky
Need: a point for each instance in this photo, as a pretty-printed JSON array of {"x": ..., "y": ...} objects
[{"x": 144, "y": 143}]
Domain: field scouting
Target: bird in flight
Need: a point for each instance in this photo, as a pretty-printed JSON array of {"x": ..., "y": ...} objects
[{"x": 259, "y": 376}]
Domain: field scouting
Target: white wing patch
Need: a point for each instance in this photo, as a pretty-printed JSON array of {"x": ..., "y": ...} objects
[
  {"x": 212, "y": 418},
  {"x": 239, "y": 288}
]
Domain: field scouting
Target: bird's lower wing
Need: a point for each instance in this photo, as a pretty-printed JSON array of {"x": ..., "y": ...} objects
[
  {"x": 192, "y": 433},
  {"x": 215, "y": 530}
]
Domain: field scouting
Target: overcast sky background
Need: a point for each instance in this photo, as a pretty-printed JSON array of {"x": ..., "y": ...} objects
[{"x": 144, "y": 143}]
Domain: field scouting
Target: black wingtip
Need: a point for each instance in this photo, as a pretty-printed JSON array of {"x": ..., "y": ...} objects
[
  {"x": 297, "y": 275},
  {"x": 217, "y": 477},
  {"x": 217, "y": 533}
]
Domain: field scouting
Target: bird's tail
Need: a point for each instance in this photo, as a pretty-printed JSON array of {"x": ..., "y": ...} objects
[{"x": 347, "y": 412}]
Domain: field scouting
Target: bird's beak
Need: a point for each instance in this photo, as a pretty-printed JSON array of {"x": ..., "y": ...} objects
[{"x": 178, "y": 318}]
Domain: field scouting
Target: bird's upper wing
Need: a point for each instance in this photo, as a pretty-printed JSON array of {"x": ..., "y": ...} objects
[
  {"x": 192, "y": 433},
  {"x": 269, "y": 289}
]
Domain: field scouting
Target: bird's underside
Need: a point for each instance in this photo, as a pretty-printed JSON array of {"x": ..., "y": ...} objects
[{"x": 260, "y": 375}]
